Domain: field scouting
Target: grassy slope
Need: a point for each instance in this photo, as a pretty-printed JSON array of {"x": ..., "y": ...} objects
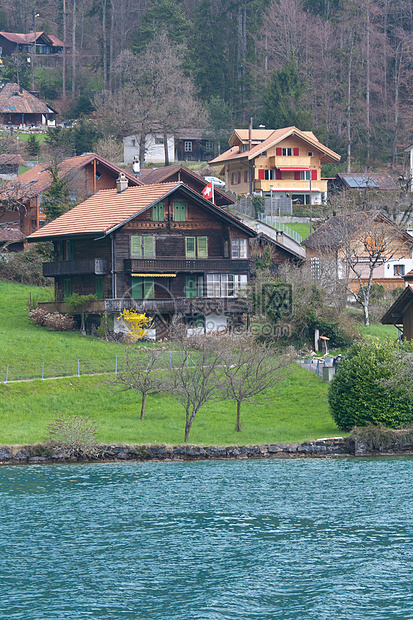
[
  {"x": 296, "y": 411},
  {"x": 302, "y": 229}
]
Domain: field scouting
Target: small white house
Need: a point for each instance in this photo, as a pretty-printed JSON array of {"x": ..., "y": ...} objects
[
  {"x": 154, "y": 148},
  {"x": 410, "y": 168}
]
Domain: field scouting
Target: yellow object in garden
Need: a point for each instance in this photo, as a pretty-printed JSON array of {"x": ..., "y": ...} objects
[{"x": 138, "y": 324}]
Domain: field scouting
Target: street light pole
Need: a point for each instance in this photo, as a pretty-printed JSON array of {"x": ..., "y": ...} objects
[{"x": 311, "y": 207}]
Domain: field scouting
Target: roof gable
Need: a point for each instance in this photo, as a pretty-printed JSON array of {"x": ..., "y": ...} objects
[{"x": 15, "y": 99}]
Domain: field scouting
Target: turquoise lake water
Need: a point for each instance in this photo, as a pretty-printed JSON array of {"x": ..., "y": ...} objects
[{"x": 296, "y": 539}]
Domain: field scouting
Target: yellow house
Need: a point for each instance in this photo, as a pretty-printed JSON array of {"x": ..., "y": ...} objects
[{"x": 284, "y": 161}]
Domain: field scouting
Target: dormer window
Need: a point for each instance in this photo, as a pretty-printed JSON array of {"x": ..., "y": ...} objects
[
  {"x": 264, "y": 154},
  {"x": 310, "y": 153}
]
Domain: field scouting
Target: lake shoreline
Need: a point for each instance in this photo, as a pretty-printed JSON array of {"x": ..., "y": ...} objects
[{"x": 331, "y": 447}]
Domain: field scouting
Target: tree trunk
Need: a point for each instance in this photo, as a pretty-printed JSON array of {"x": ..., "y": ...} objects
[
  {"x": 82, "y": 324},
  {"x": 366, "y": 315},
  {"x": 238, "y": 425},
  {"x": 142, "y": 149},
  {"x": 143, "y": 405},
  {"x": 104, "y": 48},
  {"x": 64, "y": 50},
  {"x": 74, "y": 49}
]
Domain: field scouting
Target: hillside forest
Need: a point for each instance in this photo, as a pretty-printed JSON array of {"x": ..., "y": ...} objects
[{"x": 342, "y": 68}]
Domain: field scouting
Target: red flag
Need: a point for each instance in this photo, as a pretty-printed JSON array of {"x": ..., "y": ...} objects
[{"x": 208, "y": 191}]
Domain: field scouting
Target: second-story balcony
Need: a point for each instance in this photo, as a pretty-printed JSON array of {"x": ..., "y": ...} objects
[
  {"x": 97, "y": 266},
  {"x": 189, "y": 265}
]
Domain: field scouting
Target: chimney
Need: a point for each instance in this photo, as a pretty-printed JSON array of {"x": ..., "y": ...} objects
[
  {"x": 136, "y": 166},
  {"x": 121, "y": 183}
]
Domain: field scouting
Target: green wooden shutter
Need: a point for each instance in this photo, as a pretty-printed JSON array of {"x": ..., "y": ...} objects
[
  {"x": 158, "y": 212},
  {"x": 180, "y": 212},
  {"x": 149, "y": 247},
  {"x": 67, "y": 287},
  {"x": 71, "y": 250},
  {"x": 200, "y": 286},
  {"x": 137, "y": 287},
  {"x": 148, "y": 288},
  {"x": 202, "y": 247},
  {"x": 190, "y": 287},
  {"x": 190, "y": 247},
  {"x": 61, "y": 250},
  {"x": 99, "y": 287},
  {"x": 136, "y": 246}
]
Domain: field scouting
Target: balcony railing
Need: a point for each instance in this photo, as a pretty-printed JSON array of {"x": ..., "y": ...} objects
[
  {"x": 180, "y": 305},
  {"x": 172, "y": 265},
  {"x": 98, "y": 266}
]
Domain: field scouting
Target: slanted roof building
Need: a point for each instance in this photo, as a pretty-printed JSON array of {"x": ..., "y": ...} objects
[{"x": 19, "y": 107}]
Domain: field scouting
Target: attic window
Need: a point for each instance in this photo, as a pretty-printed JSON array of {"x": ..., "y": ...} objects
[
  {"x": 264, "y": 154},
  {"x": 310, "y": 153},
  {"x": 98, "y": 174}
]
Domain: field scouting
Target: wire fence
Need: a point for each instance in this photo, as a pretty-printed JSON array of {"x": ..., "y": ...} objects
[
  {"x": 272, "y": 221},
  {"x": 55, "y": 369}
]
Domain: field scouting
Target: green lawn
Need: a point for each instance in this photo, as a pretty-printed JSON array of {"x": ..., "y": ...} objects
[
  {"x": 382, "y": 332},
  {"x": 295, "y": 411},
  {"x": 302, "y": 229}
]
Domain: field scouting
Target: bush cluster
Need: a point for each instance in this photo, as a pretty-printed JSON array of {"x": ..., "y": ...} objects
[
  {"x": 55, "y": 321},
  {"x": 360, "y": 392},
  {"x": 26, "y": 267}
]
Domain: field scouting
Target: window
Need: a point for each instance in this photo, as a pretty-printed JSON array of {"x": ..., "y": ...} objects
[
  {"x": 188, "y": 146},
  {"x": 398, "y": 270},
  {"x": 142, "y": 246},
  {"x": 305, "y": 175},
  {"x": 99, "y": 287},
  {"x": 143, "y": 288},
  {"x": 133, "y": 142},
  {"x": 224, "y": 285},
  {"x": 179, "y": 212},
  {"x": 158, "y": 140},
  {"x": 98, "y": 175},
  {"x": 310, "y": 153},
  {"x": 245, "y": 147},
  {"x": 209, "y": 146},
  {"x": 287, "y": 152},
  {"x": 158, "y": 212},
  {"x": 196, "y": 246},
  {"x": 239, "y": 248},
  {"x": 70, "y": 250},
  {"x": 269, "y": 175},
  {"x": 235, "y": 178},
  {"x": 264, "y": 154}
]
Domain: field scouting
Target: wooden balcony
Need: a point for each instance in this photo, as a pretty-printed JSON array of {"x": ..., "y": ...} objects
[
  {"x": 289, "y": 162},
  {"x": 98, "y": 266},
  {"x": 173, "y": 265},
  {"x": 180, "y": 305}
]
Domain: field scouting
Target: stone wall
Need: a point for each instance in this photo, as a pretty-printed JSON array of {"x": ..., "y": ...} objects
[{"x": 43, "y": 453}]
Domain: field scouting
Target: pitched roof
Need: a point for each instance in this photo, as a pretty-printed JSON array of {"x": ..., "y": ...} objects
[
  {"x": 257, "y": 135},
  {"x": 38, "y": 179},
  {"x": 11, "y": 234},
  {"x": 161, "y": 175},
  {"x": 331, "y": 234},
  {"x": 276, "y": 136},
  {"x": 371, "y": 180},
  {"x": 396, "y": 311},
  {"x": 16, "y": 100},
  {"x": 24, "y": 39},
  {"x": 108, "y": 210},
  {"x": 11, "y": 158}
]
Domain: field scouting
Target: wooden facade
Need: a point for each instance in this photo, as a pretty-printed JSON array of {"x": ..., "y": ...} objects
[{"x": 181, "y": 255}]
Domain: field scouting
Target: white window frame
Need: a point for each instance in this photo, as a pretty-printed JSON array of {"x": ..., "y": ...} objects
[
  {"x": 305, "y": 175},
  {"x": 224, "y": 284},
  {"x": 188, "y": 146},
  {"x": 239, "y": 248},
  {"x": 287, "y": 152}
]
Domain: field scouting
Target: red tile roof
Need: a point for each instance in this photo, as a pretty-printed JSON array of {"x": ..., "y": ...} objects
[
  {"x": 38, "y": 179},
  {"x": 16, "y": 100},
  {"x": 11, "y": 158},
  {"x": 107, "y": 210}
]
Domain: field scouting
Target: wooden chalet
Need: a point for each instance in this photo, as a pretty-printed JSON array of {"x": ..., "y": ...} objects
[
  {"x": 19, "y": 107},
  {"x": 359, "y": 181},
  {"x": 161, "y": 249},
  {"x": 39, "y": 43},
  {"x": 178, "y": 172},
  {"x": 85, "y": 174},
  {"x": 286, "y": 162}
]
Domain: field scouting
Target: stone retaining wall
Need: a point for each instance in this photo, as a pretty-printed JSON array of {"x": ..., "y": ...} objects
[{"x": 44, "y": 453}]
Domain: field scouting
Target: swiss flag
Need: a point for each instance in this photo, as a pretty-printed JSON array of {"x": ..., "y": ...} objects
[{"x": 207, "y": 192}]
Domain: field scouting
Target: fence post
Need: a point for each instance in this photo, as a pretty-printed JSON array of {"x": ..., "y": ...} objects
[
  {"x": 170, "y": 359},
  {"x": 116, "y": 365},
  {"x": 42, "y": 371},
  {"x": 7, "y": 373},
  {"x": 78, "y": 368}
]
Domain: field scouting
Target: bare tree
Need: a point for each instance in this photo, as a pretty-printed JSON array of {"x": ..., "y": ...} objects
[
  {"x": 361, "y": 242},
  {"x": 249, "y": 368},
  {"x": 196, "y": 379},
  {"x": 141, "y": 372}
]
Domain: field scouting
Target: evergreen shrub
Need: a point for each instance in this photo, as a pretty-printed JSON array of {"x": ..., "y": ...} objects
[{"x": 358, "y": 395}]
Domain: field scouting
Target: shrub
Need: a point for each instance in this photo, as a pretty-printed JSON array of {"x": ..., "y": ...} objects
[
  {"x": 26, "y": 267},
  {"x": 377, "y": 437},
  {"x": 73, "y": 435},
  {"x": 358, "y": 395},
  {"x": 57, "y": 322},
  {"x": 38, "y": 316}
]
